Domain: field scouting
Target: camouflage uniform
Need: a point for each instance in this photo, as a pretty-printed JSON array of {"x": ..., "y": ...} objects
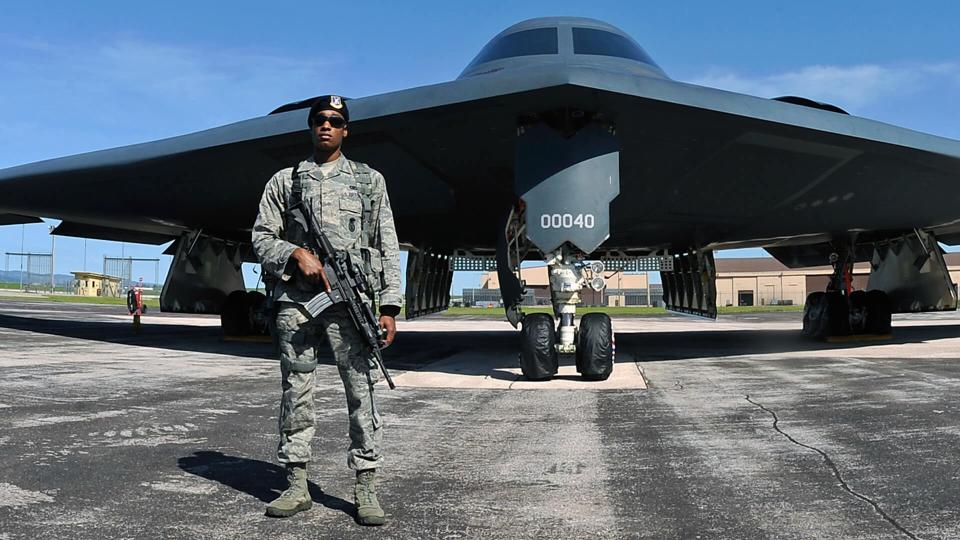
[{"x": 331, "y": 191}]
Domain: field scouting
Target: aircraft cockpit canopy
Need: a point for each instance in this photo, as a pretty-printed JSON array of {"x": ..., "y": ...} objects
[
  {"x": 566, "y": 40},
  {"x": 604, "y": 43}
]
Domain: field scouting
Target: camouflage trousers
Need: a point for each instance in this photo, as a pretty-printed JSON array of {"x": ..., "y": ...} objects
[{"x": 300, "y": 338}]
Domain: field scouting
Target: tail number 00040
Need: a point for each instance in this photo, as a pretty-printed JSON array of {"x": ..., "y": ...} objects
[{"x": 566, "y": 221}]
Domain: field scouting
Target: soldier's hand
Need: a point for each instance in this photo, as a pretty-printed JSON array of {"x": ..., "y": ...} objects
[
  {"x": 389, "y": 324},
  {"x": 311, "y": 267}
]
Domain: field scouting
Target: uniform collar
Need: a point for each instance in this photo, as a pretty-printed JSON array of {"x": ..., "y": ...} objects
[{"x": 311, "y": 167}]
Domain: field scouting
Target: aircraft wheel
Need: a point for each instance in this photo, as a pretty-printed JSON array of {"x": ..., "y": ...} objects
[
  {"x": 595, "y": 347},
  {"x": 813, "y": 315},
  {"x": 826, "y": 314},
  {"x": 838, "y": 314},
  {"x": 879, "y": 312},
  {"x": 256, "y": 311},
  {"x": 859, "y": 312},
  {"x": 235, "y": 314},
  {"x": 538, "y": 352}
]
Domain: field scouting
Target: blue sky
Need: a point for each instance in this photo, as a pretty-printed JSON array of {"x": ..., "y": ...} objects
[{"x": 76, "y": 79}]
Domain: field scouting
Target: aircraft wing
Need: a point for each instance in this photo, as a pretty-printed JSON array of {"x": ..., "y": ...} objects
[{"x": 697, "y": 165}]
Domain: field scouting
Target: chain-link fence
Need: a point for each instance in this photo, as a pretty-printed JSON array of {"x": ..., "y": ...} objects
[
  {"x": 123, "y": 269},
  {"x": 35, "y": 270}
]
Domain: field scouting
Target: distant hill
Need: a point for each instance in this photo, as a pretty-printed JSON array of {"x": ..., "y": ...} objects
[
  {"x": 61, "y": 280},
  {"x": 13, "y": 276}
]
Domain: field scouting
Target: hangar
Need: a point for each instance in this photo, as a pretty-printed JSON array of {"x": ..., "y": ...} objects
[{"x": 748, "y": 281}]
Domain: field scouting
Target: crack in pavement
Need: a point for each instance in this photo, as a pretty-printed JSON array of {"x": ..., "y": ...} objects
[{"x": 836, "y": 473}]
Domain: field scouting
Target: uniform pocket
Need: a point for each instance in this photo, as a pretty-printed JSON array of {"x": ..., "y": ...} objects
[
  {"x": 373, "y": 256},
  {"x": 373, "y": 268},
  {"x": 297, "y": 339},
  {"x": 351, "y": 215},
  {"x": 351, "y": 204}
]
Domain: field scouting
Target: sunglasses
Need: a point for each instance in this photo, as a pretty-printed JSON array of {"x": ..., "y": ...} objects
[{"x": 336, "y": 122}]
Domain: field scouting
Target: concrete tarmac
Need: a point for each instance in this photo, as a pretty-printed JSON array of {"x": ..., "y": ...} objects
[{"x": 743, "y": 431}]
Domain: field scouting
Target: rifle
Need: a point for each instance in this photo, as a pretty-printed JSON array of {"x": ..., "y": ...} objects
[{"x": 347, "y": 286}]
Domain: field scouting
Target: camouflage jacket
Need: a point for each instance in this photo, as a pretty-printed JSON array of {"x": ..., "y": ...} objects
[{"x": 336, "y": 200}]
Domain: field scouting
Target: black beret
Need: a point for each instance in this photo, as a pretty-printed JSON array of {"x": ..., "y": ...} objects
[{"x": 328, "y": 103}]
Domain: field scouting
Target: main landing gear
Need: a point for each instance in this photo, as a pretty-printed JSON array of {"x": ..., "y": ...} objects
[
  {"x": 841, "y": 311},
  {"x": 243, "y": 314},
  {"x": 542, "y": 343}
]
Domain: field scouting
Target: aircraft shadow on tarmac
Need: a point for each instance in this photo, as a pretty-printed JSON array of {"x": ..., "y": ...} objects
[
  {"x": 177, "y": 337},
  {"x": 413, "y": 350},
  {"x": 259, "y": 479}
]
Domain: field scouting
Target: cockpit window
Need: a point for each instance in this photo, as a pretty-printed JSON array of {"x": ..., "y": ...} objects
[
  {"x": 525, "y": 43},
  {"x": 592, "y": 41}
]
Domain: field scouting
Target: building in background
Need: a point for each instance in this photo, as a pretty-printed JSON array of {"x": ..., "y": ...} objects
[
  {"x": 756, "y": 281},
  {"x": 94, "y": 284},
  {"x": 765, "y": 281},
  {"x": 622, "y": 289}
]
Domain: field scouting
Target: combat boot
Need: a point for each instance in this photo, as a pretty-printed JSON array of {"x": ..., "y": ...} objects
[
  {"x": 297, "y": 496},
  {"x": 365, "y": 493}
]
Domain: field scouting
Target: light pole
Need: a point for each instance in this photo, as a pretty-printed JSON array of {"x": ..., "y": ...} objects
[
  {"x": 23, "y": 229},
  {"x": 123, "y": 266},
  {"x": 648, "y": 288},
  {"x": 620, "y": 296},
  {"x": 53, "y": 259}
]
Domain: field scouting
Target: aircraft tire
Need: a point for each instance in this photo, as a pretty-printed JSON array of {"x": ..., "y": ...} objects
[
  {"x": 256, "y": 312},
  {"x": 538, "y": 352},
  {"x": 879, "y": 311},
  {"x": 595, "y": 347},
  {"x": 235, "y": 314},
  {"x": 838, "y": 314},
  {"x": 859, "y": 313},
  {"x": 813, "y": 315}
]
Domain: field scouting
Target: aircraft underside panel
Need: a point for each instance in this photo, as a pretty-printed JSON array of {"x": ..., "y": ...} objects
[
  {"x": 204, "y": 271},
  {"x": 912, "y": 272},
  {"x": 567, "y": 184},
  {"x": 691, "y": 286},
  {"x": 429, "y": 276}
]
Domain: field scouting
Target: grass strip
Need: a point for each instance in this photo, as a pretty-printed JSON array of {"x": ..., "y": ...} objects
[{"x": 72, "y": 299}]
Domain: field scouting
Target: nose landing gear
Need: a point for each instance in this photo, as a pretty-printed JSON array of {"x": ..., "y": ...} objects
[{"x": 591, "y": 346}]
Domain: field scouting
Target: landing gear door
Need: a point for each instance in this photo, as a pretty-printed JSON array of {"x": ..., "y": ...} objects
[{"x": 567, "y": 184}]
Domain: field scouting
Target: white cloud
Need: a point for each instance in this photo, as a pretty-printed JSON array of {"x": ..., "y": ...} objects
[
  {"x": 60, "y": 99},
  {"x": 163, "y": 73},
  {"x": 849, "y": 87}
]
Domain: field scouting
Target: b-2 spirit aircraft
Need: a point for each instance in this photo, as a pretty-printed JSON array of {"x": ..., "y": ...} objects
[{"x": 561, "y": 141}]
